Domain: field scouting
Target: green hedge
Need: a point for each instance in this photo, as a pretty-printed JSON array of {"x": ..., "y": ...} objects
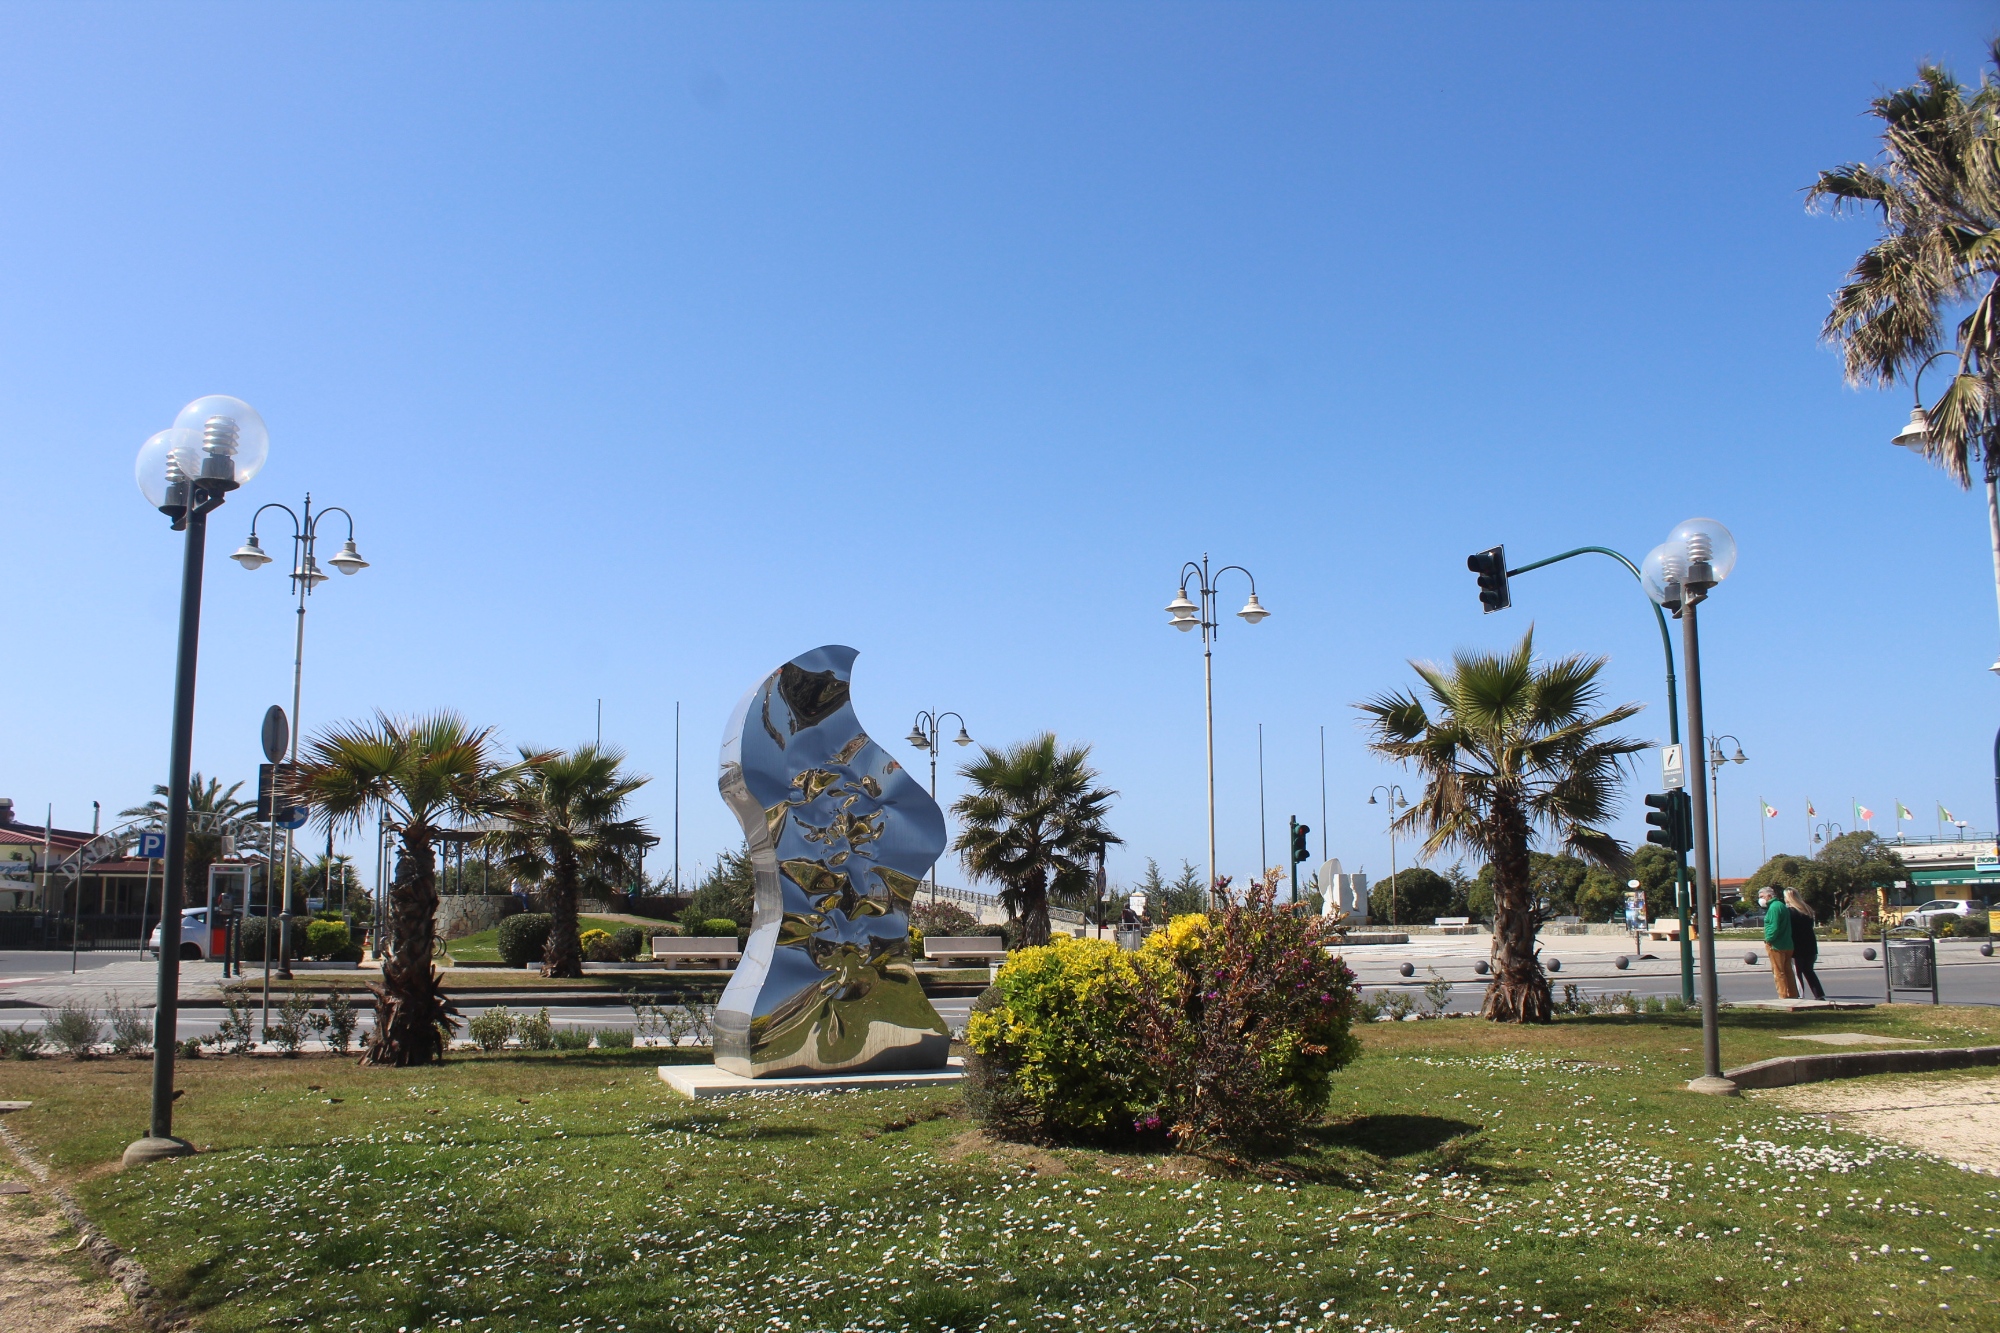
[
  {"x": 715, "y": 927},
  {"x": 523, "y": 937}
]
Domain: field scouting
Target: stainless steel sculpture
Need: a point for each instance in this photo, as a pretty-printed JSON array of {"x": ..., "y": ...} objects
[{"x": 839, "y": 836}]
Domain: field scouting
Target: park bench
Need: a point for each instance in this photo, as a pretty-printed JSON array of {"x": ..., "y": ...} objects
[
  {"x": 1454, "y": 925},
  {"x": 672, "y": 949},
  {"x": 984, "y": 948},
  {"x": 1664, "y": 928}
]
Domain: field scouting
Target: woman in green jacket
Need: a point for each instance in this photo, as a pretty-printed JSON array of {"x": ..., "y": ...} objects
[{"x": 1778, "y": 942}]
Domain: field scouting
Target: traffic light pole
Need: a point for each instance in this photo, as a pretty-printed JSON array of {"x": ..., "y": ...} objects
[{"x": 1681, "y": 880}]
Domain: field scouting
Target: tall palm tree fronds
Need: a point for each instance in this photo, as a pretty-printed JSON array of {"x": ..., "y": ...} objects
[
  {"x": 1513, "y": 753},
  {"x": 214, "y": 812},
  {"x": 565, "y": 820},
  {"x": 1936, "y": 188},
  {"x": 1033, "y": 822},
  {"x": 425, "y": 773}
]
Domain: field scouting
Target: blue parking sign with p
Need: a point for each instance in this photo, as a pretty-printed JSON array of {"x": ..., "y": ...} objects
[{"x": 152, "y": 846}]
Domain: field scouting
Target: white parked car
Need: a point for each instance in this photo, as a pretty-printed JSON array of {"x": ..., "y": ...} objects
[
  {"x": 196, "y": 937},
  {"x": 1940, "y": 907}
]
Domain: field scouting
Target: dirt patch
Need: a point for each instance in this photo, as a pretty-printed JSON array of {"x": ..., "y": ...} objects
[
  {"x": 975, "y": 1144},
  {"x": 1953, "y": 1116},
  {"x": 46, "y": 1284}
]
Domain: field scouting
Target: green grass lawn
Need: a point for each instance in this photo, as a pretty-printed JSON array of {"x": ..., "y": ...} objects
[
  {"x": 1469, "y": 1177},
  {"x": 484, "y": 947}
]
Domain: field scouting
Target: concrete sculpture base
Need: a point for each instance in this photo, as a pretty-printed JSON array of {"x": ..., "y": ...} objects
[{"x": 704, "y": 1081}]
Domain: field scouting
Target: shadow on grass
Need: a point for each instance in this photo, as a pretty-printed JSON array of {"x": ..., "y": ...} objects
[{"x": 1392, "y": 1136}]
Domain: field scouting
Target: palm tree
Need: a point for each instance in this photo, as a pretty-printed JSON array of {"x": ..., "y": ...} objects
[
  {"x": 1033, "y": 823},
  {"x": 424, "y": 773},
  {"x": 1937, "y": 191},
  {"x": 564, "y": 822},
  {"x": 213, "y": 814},
  {"x": 1512, "y": 753}
]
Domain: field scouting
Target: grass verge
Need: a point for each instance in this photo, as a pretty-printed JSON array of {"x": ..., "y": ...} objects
[{"x": 1469, "y": 1177}]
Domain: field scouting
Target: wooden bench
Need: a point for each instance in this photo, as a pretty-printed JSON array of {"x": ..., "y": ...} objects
[
  {"x": 672, "y": 949},
  {"x": 985, "y": 948}
]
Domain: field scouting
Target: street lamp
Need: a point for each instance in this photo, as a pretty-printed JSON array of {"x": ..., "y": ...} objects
[
  {"x": 1185, "y": 615},
  {"x": 924, "y": 735},
  {"x": 306, "y": 576},
  {"x": 1396, "y": 805},
  {"x": 1830, "y": 830},
  {"x": 215, "y": 445},
  {"x": 1716, "y": 759},
  {"x": 1678, "y": 574}
]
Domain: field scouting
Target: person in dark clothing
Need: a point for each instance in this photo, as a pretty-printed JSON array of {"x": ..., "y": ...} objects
[{"x": 1805, "y": 942}]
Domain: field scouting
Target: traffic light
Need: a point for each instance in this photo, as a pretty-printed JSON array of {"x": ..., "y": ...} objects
[
  {"x": 1671, "y": 824},
  {"x": 1299, "y": 831},
  {"x": 1491, "y": 566}
]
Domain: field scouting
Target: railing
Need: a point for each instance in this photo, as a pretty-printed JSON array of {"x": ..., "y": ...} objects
[
  {"x": 1934, "y": 839},
  {"x": 970, "y": 897}
]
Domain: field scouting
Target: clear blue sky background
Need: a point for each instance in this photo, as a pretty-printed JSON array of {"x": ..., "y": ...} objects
[{"x": 653, "y": 344}]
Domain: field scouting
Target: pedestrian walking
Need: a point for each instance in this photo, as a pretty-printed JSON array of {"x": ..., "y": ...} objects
[
  {"x": 1778, "y": 941},
  {"x": 1805, "y": 943}
]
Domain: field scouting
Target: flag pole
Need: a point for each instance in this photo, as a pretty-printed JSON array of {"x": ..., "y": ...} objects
[{"x": 1763, "y": 852}]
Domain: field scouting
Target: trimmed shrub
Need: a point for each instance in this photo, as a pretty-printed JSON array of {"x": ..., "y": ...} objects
[
  {"x": 324, "y": 939},
  {"x": 1059, "y": 1035},
  {"x": 522, "y": 938},
  {"x": 614, "y": 1039},
  {"x": 716, "y": 927},
  {"x": 595, "y": 945},
  {"x": 630, "y": 942},
  {"x": 536, "y": 1033},
  {"x": 571, "y": 1039},
  {"x": 1976, "y": 926},
  {"x": 75, "y": 1030},
  {"x": 492, "y": 1030}
]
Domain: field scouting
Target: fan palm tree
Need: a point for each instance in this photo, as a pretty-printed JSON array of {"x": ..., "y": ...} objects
[
  {"x": 1033, "y": 822},
  {"x": 565, "y": 821},
  {"x": 214, "y": 812},
  {"x": 1513, "y": 752},
  {"x": 1937, "y": 192},
  {"x": 424, "y": 773}
]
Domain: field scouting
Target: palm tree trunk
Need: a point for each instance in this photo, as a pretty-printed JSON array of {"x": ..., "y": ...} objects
[
  {"x": 413, "y": 1020},
  {"x": 1035, "y": 912},
  {"x": 562, "y": 956},
  {"x": 1520, "y": 989}
]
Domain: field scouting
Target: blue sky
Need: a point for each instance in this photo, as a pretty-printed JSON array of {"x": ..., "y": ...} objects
[{"x": 654, "y": 344}]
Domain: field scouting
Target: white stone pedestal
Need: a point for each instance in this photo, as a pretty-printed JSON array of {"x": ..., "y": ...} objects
[{"x": 703, "y": 1081}]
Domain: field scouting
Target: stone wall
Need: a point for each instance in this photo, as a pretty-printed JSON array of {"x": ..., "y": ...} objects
[{"x": 462, "y": 914}]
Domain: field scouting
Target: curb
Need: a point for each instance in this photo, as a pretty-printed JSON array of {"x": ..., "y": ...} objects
[
  {"x": 155, "y": 1310},
  {"x": 1787, "y": 1070}
]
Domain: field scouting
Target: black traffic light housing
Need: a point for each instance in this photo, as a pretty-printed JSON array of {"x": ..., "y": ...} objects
[
  {"x": 1491, "y": 567},
  {"x": 1299, "y": 852},
  {"x": 1671, "y": 821}
]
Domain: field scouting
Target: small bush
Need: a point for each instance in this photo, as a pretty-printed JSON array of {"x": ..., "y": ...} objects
[
  {"x": 522, "y": 938},
  {"x": 324, "y": 939},
  {"x": 1059, "y": 1034},
  {"x": 916, "y": 943},
  {"x": 943, "y": 918},
  {"x": 1973, "y": 927},
  {"x": 131, "y": 1030},
  {"x": 591, "y": 937},
  {"x": 190, "y": 1048},
  {"x": 492, "y": 1030},
  {"x": 21, "y": 1043},
  {"x": 1396, "y": 1005},
  {"x": 630, "y": 942},
  {"x": 572, "y": 1039},
  {"x": 1437, "y": 992},
  {"x": 1676, "y": 1005},
  {"x": 334, "y": 1024},
  {"x": 614, "y": 1039},
  {"x": 237, "y": 1032},
  {"x": 716, "y": 927},
  {"x": 75, "y": 1030},
  {"x": 1655, "y": 1005},
  {"x": 287, "y": 1029},
  {"x": 536, "y": 1033}
]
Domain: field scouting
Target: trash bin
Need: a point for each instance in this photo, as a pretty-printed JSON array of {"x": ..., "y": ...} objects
[
  {"x": 1130, "y": 938},
  {"x": 1909, "y": 962},
  {"x": 1854, "y": 928}
]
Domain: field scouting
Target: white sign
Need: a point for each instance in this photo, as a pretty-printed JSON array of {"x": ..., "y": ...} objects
[{"x": 1673, "y": 766}]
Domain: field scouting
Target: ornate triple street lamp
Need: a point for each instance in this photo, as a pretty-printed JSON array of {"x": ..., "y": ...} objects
[
  {"x": 924, "y": 734},
  {"x": 215, "y": 445},
  {"x": 306, "y": 576},
  {"x": 1394, "y": 795},
  {"x": 1185, "y": 615}
]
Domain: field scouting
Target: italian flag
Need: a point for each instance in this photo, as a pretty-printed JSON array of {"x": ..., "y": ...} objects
[
  {"x": 1769, "y": 813},
  {"x": 1862, "y": 812},
  {"x": 1903, "y": 812}
]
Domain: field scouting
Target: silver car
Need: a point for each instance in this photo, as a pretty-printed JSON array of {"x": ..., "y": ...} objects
[
  {"x": 195, "y": 935},
  {"x": 1942, "y": 907}
]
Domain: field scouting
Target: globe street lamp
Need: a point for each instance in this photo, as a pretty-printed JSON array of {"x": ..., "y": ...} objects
[
  {"x": 1397, "y": 805},
  {"x": 1716, "y": 759},
  {"x": 924, "y": 735},
  {"x": 1678, "y": 575},
  {"x": 215, "y": 445},
  {"x": 306, "y": 576},
  {"x": 1185, "y": 615}
]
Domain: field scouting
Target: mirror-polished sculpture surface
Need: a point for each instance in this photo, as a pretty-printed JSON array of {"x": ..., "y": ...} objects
[{"x": 839, "y": 836}]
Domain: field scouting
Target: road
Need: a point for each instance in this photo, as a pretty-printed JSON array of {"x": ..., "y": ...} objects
[{"x": 33, "y": 982}]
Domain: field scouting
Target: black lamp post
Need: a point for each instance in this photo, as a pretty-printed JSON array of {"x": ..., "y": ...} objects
[{"x": 215, "y": 445}]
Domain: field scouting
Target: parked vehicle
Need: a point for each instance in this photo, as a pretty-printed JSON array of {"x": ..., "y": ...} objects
[
  {"x": 197, "y": 940},
  {"x": 1924, "y": 917}
]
